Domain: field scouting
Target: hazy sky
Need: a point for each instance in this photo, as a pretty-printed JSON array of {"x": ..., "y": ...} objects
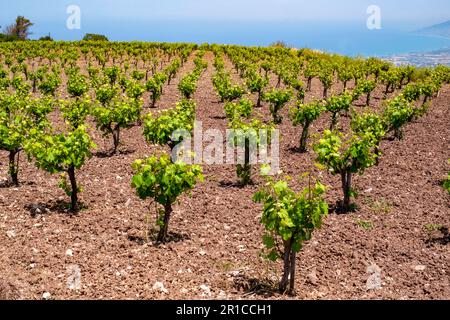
[
  {"x": 49, "y": 15},
  {"x": 402, "y": 10}
]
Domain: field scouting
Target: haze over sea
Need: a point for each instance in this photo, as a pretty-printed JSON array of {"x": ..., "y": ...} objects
[
  {"x": 345, "y": 38},
  {"x": 333, "y": 26}
]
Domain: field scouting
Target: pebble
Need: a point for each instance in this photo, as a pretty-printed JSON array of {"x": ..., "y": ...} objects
[
  {"x": 159, "y": 286},
  {"x": 46, "y": 295},
  {"x": 312, "y": 278},
  {"x": 420, "y": 267},
  {"x": 69, "y": 253},
  {"x": 206, "y": 291},
  {"x": 35, "y": 209},
  {"x": 11, "y": 233}
]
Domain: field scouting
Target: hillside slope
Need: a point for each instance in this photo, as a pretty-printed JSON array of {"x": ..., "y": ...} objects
[{"x": 441, "y": 29}]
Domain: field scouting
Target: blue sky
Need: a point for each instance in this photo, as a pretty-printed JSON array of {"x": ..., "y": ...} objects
[
  {"x": 113, "y": 17},
  {"x": 419, "y": 11}
]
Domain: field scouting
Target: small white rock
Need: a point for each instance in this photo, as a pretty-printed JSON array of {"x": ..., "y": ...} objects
[
  {"x": 312, "y": 278},
  {"x": 46, "y": 295},
  {"x": 420, "y": 267},
  {"x": 69, "y": 253},
  {"x": 206, "y": 291},
  {"x": 159, "y": 286},
  {"x": 11, "y": 233},
  {"x": 202, "y": 253}
]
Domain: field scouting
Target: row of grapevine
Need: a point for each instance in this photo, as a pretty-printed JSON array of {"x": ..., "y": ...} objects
[
  {"x": 288, "y": 216},
  {"x": 106, "y": 84}
]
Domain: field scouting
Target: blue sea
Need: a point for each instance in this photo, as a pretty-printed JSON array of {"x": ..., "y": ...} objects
[{"x": 344, "y": 38}]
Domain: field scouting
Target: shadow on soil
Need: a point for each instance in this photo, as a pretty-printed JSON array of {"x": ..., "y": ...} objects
[
  {"x": 230, "y": 184},
  {"x": 264, "y": 288},
  {"x": 297, "y": 150},
  {"x": 61, "y": 207},
  {"x": 218, "y": 117},
  {"x": 110, "y": 154},
  {"x": 338, "y": 208},
  {"x": 172, "y": 237},
  {"x": 443, "y": 238},
  {"x": 7, "y": 184}
]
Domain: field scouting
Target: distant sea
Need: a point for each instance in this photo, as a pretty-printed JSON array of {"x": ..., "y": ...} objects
[{"x": 351, "y": 39}]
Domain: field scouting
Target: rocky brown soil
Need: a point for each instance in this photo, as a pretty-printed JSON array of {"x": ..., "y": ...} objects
[{"x": 216, "y": 234}]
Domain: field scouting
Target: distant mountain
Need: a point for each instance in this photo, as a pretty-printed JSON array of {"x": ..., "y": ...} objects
[{"x": 441, "y": 29}]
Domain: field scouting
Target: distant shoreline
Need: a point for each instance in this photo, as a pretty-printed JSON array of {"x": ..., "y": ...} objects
[{"x": 422, "y": 59}]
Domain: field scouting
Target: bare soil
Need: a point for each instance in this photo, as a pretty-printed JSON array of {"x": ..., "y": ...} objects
[{"x": 216, "y": 234}]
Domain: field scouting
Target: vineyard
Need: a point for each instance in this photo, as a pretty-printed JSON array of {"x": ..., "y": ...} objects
[{"x": 94, "y": 206}]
